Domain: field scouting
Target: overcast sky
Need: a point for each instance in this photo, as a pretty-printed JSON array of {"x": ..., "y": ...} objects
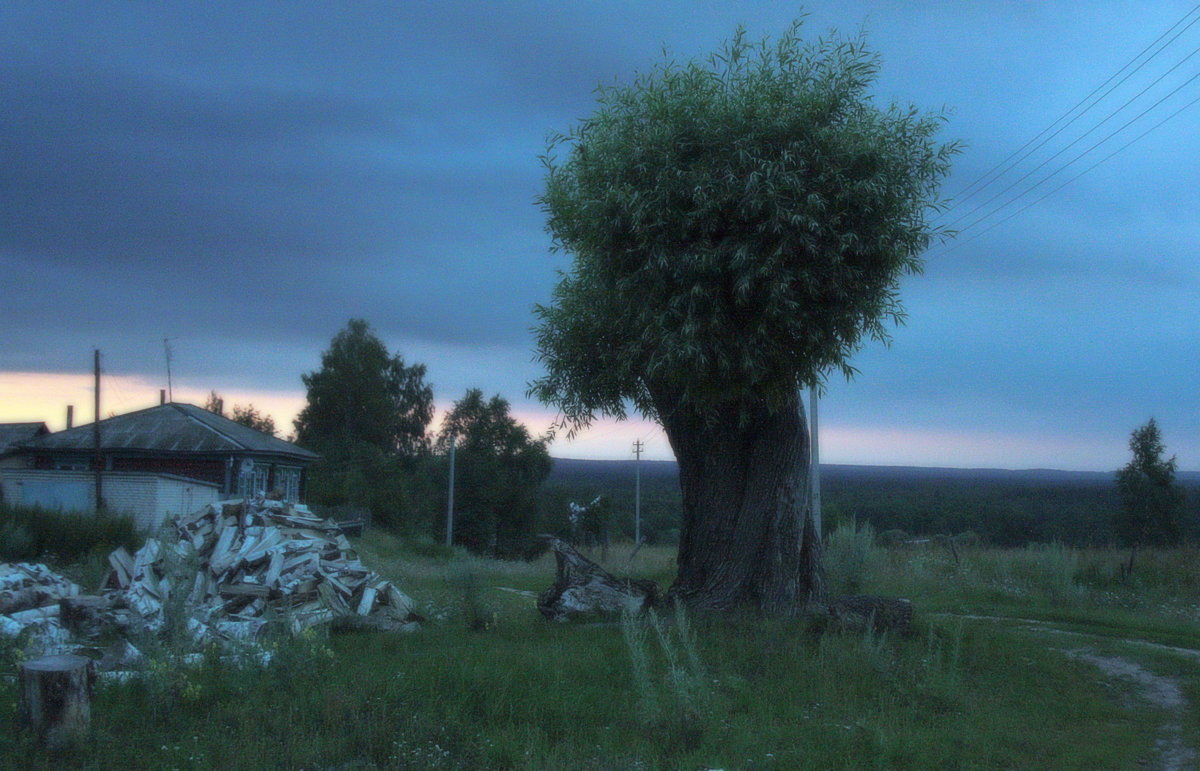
[{"x": 244, "y": 178}]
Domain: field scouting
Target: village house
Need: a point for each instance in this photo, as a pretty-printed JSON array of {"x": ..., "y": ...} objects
[
  {"x": 156, "y": 462},
  {"x": 12, "y": 434}
]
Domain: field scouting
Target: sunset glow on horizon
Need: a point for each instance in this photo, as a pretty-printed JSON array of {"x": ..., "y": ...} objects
[{"x": 40, "y": 396}]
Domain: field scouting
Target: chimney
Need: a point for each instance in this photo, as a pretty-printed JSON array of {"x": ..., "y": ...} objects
[
  {"x": 162, "y": 396},
  {"x": 70, "y": 415}
]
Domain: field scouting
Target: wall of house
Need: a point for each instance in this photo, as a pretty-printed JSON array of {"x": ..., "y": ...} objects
[
  {"x": 180, "y": 496},
  {"x": 203, "y": 469},
  {"x": 136, "y": 495},
  {"x": 65, "y": 490},
  {"x": 148, "y": 498}
]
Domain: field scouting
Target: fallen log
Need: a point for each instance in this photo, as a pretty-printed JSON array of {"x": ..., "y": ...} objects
[
  {"x": 583, "y": 588},
  {"x": 82, "y": 615},
  {"x": 860, "y": 612}
]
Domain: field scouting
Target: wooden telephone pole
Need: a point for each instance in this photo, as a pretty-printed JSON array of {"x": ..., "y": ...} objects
[
  {"x": 815, "y": 465},
  {"x": 98, "y": 462},
  {"x": 637, "y": 493},
  {"x": 450, "y": 499}
]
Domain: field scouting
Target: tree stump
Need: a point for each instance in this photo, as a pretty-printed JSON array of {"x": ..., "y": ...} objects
[
  {"x": 582, "y": 588},
  {"x": 56, "y": 698},
  {"x": 81, "y": 615}
]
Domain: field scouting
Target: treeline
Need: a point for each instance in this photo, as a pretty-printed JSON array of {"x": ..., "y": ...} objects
[
  {"x": 582, "y": 481},
  {"x": 1009, "y": 509},
  {"x": 368, "y": 414},
  {"x": 1002, "y": 513}
]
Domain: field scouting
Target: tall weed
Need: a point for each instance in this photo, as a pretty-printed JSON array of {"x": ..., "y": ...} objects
[
  {"x": 673, "y": 697},
  {"x": 851, "y": 558},
  {"x": 34, "y": 533},
  {"x": 477, "y": 615}
]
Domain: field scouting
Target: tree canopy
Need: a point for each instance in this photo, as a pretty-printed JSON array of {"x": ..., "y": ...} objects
[
  {"x": 250, "y": 417},
  {"x": 367, "y": 414},
  {"x": 1151, "y": 502},
  {"x": 215, "y": 403},
  {"x": 247, "y": 415},
  {"x": 362, "y": 394},
  {"x": 499, "y": 468},
  {"x": 738, "y": 227}
]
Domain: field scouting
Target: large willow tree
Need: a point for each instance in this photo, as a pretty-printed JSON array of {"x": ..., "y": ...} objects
[{"x": 739, "y": 226}]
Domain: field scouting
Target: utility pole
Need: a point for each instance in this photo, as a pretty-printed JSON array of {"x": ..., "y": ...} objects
[
  {"x": 450, "y": 501},
  {"x": 815, "y": 464},
  {"x": 98, "y": 462},
  {"x": 637, "y": 494}
]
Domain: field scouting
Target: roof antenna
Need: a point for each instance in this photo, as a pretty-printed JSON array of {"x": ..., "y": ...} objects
[{"x": 167, "y": 350}]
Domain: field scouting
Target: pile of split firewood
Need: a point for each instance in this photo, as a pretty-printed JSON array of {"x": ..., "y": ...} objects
[
  {"x": 237, "y": 566},
  {"x": 29, "y": 599},
  {"x": 225, "y": 573}
]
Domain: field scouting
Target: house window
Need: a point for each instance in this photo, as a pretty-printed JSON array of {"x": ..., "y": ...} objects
[
  {"x": 253, "y": 480},
  {"x": 287, "y": 479}
]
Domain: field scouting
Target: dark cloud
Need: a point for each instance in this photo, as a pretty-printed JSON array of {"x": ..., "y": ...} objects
[
  {"x": 247, "y": 177},
  {"x": 177, "y": 199}
]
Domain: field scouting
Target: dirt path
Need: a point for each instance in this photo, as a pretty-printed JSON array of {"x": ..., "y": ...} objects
[
  {"x": 1052, "y": 628},
  {"x": 1162, "y": 692},
  {"x": 1171, "y": 753}
]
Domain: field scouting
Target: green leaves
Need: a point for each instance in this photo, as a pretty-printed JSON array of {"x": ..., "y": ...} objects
[
  {"x": 362, "y": 393},
  {"x": 738, "y": 226},
  {"x": 500, "y": 468},
  {"x": 1151, "y": 502}
]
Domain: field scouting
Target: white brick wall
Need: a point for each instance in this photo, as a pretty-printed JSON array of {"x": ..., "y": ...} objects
[
  {"x": 181, "y": 496},
  {"x": 136, "y": 495},
  {"x": 148, "y": 498}
]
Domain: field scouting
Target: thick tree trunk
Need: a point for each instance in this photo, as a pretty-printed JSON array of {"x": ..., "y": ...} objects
[{"x": 747, "y": 538}]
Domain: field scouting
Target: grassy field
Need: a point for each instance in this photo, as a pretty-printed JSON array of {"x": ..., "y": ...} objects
[{"x": 992, "y": 678}]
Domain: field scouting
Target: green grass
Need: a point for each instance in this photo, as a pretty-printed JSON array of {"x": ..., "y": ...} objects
[
  {"x": 33, "y": 533},
  {"x": 738, "y": 693}
]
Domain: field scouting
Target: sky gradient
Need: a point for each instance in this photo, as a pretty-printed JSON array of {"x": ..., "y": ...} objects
[{"x": 244, "y": 178}]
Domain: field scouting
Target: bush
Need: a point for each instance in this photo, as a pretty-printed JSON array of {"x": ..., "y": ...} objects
[
  {"x": 850, "y": 557},
  {"x": 33, "y": 533}
]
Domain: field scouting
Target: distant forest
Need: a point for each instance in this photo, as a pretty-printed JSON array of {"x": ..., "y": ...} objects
[{"x": 1005, "y": 508}]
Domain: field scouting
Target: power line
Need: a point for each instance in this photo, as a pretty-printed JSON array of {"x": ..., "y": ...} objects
[
  {"x": 1067, "y": 165},
  {"x": 1072, "y": 179},
  {"x": 1074, "y": 142},
  {"x": 963, "y": 196}
]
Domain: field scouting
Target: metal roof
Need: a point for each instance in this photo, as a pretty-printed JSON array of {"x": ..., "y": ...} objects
[
  {"x": 15, "y": 433},
  {"x": 169, "y": 428}
]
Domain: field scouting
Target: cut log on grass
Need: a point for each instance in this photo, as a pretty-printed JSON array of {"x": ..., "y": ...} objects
[
  {"x": 56, "y": 697},
  {"x": 82, "y": 615},
  {"x": 583, "y": 588},
  {"x": 120, "y": 655},
  {"x": 857, "y": 613}
]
